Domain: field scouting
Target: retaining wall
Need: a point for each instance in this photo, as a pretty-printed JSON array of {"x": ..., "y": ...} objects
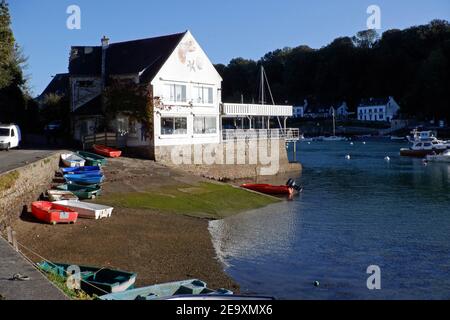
[
  {"x": 24, "y": 185},
  {"x": 248, "y": 159}
]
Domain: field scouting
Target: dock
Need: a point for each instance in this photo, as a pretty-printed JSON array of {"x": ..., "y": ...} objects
[{"x": 36, "y": 288}]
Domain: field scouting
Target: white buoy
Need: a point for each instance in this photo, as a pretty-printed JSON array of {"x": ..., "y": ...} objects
[
  {"x": 309, "y": 142},
  {"x": 364, "y": 142},
  {"x": 348, "y": 157},
  {"x": 387, "y": 159},
  {"x": 351, "y": 143}
]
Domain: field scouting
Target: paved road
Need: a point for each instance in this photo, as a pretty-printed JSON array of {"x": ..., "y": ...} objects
[
  {"x": 17, "y": 157},
  {"x": 37, "y": 288}
]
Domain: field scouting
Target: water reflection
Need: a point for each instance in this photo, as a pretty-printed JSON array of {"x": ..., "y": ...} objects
[{"x": 352, "y": 214}]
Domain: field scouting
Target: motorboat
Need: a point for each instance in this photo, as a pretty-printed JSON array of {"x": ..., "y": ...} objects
[
  {"x": 444, "y": 157},
  {"x": 420, "y": 149}
]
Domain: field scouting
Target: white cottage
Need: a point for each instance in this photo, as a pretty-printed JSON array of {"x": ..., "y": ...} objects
[
  {"x": 378, "y": 109},
  {"x": 179, "y": 75}
]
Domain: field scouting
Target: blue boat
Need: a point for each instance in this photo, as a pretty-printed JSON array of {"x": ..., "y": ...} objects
[
  {"x": 85, "y": 178},
  {"x": 81, "y": 170},
  {"x": 167, "y": 290}
]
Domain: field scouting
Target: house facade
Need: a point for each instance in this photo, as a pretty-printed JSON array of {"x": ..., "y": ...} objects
[
  {"x": 178, "y": 74},
  {"x": 383, "y": 110},
  {"x": 185, "y": 90}
]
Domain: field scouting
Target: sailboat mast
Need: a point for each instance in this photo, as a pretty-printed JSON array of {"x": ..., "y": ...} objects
[
  {"x": 334, "y": 123},
  {"x": 262, "y": 85}
]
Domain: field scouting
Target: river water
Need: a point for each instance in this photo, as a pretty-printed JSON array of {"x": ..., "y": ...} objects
[{"x": 353, "y": 214}]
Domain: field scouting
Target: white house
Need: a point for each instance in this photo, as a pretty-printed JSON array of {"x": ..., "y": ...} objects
[
  {"x": 298, "y": 111},
  {"x": 185, "y": 86},
  {"x": 378, "y": 109},
  {"x": 342, "y": 112}
]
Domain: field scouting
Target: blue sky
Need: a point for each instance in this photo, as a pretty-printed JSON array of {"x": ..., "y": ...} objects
[{"x": 225, "y": 29}]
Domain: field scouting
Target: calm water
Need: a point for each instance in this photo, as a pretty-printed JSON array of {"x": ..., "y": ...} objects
[{"x": 352, "y": 214}]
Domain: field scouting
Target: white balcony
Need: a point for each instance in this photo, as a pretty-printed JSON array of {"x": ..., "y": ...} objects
[{"x": 261, "y": 110}]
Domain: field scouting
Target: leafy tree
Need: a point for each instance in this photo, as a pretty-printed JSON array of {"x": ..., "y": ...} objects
[
  {"x": 13, "y": 99},
  {"x": 412, "y": 65}
]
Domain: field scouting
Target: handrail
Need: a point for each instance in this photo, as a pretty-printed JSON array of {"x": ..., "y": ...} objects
[
  {"x": 290, "y": 134},
  {"x": 239, "y": 109}
]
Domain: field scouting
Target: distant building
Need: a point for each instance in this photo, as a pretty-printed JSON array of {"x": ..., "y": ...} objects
[
  {"x": 59, "y": 86},
  {"x": 378, "y": 109},
  {"x": 299, "y": 111},
  {"x": 342, "y": 112}
]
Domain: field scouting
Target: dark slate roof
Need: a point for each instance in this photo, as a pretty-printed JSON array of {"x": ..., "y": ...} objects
[
  {"x": 91, "y": 108},
  {"x": 59, "y": 85},
  {"x": 86, "y": 61},
  {"x": 135, "y": 56},
  {"x": 130, "y": 57},
  {"x": 374, "y": 102}
]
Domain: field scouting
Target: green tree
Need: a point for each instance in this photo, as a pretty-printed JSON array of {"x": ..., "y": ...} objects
[
  {"x": 7, "y": 47},
  {"x": 13, "y": 99}
]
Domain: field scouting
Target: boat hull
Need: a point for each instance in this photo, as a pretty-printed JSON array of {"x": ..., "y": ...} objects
[
  {"x": 439, "y": 158},
  {"x": 96, "y": 280},
  {"x": 72, "y": 160},
  {"x": 269, "y": 189},
  {"x": 88, "y": 210},
  {"x": 92, "y": 159},
  {"x": 82, "y": 192},
  {"x": 58, "y": 195},
  {"x": 84, "y": 179},
  {"x": 166, "y": 290},
  {"x": 81, "y": 170},
  {"x": 417, "y": 153},
  {"x": 107, "y": 151},
  {"x": 53, "y": 213}
]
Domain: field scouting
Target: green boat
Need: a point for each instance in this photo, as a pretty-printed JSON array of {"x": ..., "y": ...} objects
[
  {"x": 167, "y": 290},
  {"x": 82, "y": 192},
  {"x": 92, "y": 159},
  {"x": 94, "y": 280}
]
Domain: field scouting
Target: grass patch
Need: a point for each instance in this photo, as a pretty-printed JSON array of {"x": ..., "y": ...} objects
[
  {"x": 60, "y": 282},
  {"x": 8, "y": 180},
  {"x": 206, "y": 200}
]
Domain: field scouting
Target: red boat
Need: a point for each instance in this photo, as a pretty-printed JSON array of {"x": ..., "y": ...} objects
[
  {"x": 106, "y": 151},
  {"x": 269, "y": 189},
  {"x": 53, "y": 213}
]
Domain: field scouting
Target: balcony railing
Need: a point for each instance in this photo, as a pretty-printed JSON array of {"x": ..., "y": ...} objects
[
  {"x": 265, "y": 110},
  {"x": 289, "y": 134}
]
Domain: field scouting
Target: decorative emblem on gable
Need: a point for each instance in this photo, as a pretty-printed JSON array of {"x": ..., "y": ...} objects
[{"x": 188, "y": 55}]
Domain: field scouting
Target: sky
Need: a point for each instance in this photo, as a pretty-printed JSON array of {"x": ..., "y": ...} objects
[{"x": 225, "y": 29}]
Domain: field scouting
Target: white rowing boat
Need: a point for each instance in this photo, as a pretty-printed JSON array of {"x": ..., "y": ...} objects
[
  {"x": 72, "y": 160},
  {"x": 88, "y": 210},
  {"x": 59, "y": 195}
]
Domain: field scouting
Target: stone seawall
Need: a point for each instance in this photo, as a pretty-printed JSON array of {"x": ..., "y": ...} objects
[
  {"x": 230, "y": 160},
  {"x": 20, "y": 187}
]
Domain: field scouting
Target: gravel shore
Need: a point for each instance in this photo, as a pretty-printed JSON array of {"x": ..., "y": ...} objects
[{"x": 160, "y": 245}]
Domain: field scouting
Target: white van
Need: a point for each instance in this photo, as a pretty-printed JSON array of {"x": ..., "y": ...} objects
[{"x": 10, "y": 136}]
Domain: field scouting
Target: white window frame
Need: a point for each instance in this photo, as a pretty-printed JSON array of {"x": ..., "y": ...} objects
[
  {"x": 167, "y": 135},
  {"x": 199, "y": 98},
  {"x": 205, "y": 134},
  {"x": 172, "y": 95}
]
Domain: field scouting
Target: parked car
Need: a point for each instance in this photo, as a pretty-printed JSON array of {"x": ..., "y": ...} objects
[{"x": 10, "y": 136}]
